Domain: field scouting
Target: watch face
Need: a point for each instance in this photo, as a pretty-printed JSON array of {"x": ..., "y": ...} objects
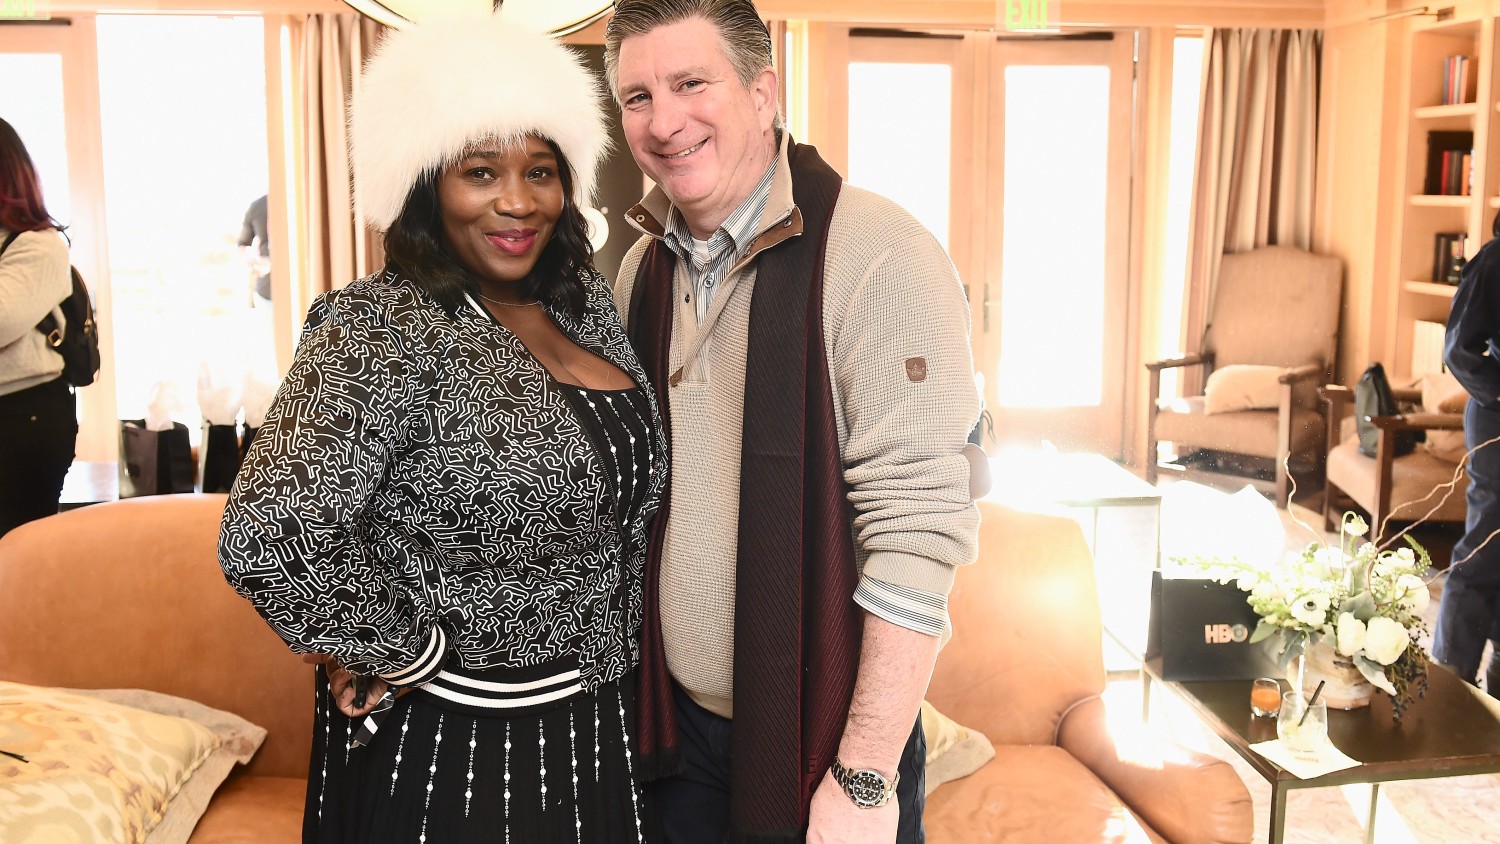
[{"x": 866, "y": 788}]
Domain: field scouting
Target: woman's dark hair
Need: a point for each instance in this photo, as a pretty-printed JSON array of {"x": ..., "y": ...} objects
[
  {"x": 416, "y": 245},
  {"x": 21, "y": 206}
]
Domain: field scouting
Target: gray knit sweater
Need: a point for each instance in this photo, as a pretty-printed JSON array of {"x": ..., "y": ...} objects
[
  {"x": 34, "y": 280},
  {"x": 896, "y": 331}
]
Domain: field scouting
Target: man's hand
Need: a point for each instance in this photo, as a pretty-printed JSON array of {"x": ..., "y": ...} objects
[
  {"x": 834, "y": 819},
  {"x": 341, "y": 685}
]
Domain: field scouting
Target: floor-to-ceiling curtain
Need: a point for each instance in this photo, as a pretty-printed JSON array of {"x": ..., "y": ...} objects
[
  {"x": 337, "y": 248},
  {"x": 1257, "y": 149}
]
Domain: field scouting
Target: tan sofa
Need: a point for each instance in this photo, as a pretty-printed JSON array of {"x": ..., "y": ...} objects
[
  {"x": 130, "y": 595},
  {"x": 1025, "y": 667}
]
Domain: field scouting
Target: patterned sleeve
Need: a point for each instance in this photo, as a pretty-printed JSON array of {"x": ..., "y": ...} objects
[{"x": 290, "y": 540}]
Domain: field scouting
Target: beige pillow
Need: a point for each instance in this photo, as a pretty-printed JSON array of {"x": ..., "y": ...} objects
[
  {"x": 1242, "y": 387},
  {"x": 112, "y": 765},
  {"x": 953, "y": 750},
  {"x": 1441, "y": 393}
]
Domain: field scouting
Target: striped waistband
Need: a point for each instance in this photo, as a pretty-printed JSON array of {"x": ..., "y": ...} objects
[{"x": 504, "y": 692}]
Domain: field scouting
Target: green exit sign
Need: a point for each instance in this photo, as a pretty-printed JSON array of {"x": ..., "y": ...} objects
[
  {"x": 26, "y": 10},
  {"x": 1029, "y": 15}
]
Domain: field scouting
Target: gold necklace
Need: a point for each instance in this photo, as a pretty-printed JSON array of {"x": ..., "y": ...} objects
[{"x": 509, "y": 304}]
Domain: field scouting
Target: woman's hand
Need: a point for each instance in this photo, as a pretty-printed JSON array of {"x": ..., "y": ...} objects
[{"x": 341, "y": 685}]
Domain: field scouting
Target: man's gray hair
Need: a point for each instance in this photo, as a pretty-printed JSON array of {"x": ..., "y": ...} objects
[{"x": 746, "y": 41}]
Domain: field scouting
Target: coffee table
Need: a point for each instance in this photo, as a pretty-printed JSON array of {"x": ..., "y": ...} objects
[{"x": 1447, "y": 733}]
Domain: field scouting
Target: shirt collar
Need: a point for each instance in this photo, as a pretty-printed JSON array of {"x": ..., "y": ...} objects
[{"x": 738, "y": 229}]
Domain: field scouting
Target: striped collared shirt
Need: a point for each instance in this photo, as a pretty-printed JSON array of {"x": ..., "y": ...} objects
[{"x": 709, "y": 263}]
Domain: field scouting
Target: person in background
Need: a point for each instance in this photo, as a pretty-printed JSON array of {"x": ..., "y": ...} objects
[
  {"x": 446, "y": 506},
  {"x": 809, "y": 342},
  {"x": 255, "y": 242},
  {"x": 1469, "y": 612},
  {"x": 38, "y": 413}
]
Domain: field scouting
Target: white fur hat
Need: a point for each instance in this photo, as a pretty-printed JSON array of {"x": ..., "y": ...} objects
[{"x": 430, "y": 90}]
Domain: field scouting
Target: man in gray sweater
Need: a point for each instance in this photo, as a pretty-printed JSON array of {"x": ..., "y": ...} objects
[{"x": 810, "y": 343}]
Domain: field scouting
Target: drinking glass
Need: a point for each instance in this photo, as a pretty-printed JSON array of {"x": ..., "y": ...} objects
[
  {"x": 1265, "y": 697},
  {"x": 1299, "y": 733}
]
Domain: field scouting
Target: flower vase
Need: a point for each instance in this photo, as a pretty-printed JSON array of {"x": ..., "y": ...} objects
[{"x": 1343, "y": 686}]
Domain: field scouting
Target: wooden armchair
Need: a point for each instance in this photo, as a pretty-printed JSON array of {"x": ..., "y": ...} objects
[
  {"x": 1273, "y": 306},
  {"x": 1385, "y": 486}
]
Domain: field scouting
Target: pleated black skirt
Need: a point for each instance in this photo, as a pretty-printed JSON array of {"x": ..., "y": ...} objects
[{"x": 435, "y": 776}]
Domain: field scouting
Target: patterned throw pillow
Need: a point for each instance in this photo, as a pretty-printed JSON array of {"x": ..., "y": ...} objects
[{"x": 95, "y": 771}]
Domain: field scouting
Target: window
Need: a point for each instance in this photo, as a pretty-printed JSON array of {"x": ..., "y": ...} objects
[{"x": 183, "y": 120}]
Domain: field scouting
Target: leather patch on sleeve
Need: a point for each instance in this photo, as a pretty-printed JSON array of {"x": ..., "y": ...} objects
[{"x": 916, "y": 369}]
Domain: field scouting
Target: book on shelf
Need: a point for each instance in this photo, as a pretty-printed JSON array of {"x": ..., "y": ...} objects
[
  {"x": 1459, "y": 80},
  {"x": 1427, "y": 346},
  {"x": 1448, "y": 257},
  {"x": 1449, "y": 158}
]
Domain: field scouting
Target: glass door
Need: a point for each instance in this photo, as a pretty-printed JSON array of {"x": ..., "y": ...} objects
[
  {"x": 1015, "y": 153},
  {"x": 1053, "y": 314}
]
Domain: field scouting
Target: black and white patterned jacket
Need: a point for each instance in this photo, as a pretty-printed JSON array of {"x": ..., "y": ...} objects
[{"x": 421, "y": 492}]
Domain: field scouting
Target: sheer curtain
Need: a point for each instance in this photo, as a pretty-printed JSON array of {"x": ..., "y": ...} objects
[{"x": 1257, "y": 150}]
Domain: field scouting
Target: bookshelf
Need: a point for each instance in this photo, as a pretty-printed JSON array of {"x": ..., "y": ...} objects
[{"x": 1452, "y": 188}]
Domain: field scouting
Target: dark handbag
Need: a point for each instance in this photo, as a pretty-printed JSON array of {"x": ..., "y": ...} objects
[
  {"x": 219, "y": 457},
  {"x": 154, "y": 462},
  {"x": 1373, "y": 397}
]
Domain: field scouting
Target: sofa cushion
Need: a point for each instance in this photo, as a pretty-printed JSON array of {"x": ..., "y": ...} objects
[
  {"x": 1030, "y": 794},
  {"x": 251, "y": 809},
  {"x": 953, "y": 750},
  {"x": 141, "y": 772}
]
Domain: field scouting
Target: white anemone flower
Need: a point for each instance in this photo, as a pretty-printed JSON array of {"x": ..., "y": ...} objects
[
  {"x": 1385, "y": 640},
  {"x": 1414, "y": 594},
  {"x": 1351, "y": 634},
  {"x": 1311, "y": 608}
]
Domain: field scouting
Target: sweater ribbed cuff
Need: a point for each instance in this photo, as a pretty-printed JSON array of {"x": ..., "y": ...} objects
[{"x": 427, "y": 665}]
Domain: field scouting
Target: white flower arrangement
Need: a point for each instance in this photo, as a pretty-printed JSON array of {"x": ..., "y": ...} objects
[{"x": 1365, "y": 601}]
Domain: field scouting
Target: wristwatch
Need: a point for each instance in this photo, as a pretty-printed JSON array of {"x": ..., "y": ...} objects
[{"x": 867, "y": 789}]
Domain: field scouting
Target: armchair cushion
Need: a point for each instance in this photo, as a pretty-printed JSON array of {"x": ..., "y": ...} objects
[
  {"x": 1183, "y": 421},
  {"x": 953, "y": 750},
  {"x": 1242, "y": 387},
  {"x": 1413, "y": 477}
]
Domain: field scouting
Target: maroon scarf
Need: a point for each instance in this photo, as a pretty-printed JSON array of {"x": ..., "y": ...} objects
[{"x": 797, "y": 628}]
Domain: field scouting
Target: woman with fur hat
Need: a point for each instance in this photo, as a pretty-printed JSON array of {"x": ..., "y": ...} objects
[{"x": 446, "y": 507}]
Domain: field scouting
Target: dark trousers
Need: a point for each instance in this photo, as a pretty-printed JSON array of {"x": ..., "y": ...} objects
[
  {"x": 693, "y": 807},
  {"x": 1470, "y": 610},
  {"x": 38, "y": 427}
]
